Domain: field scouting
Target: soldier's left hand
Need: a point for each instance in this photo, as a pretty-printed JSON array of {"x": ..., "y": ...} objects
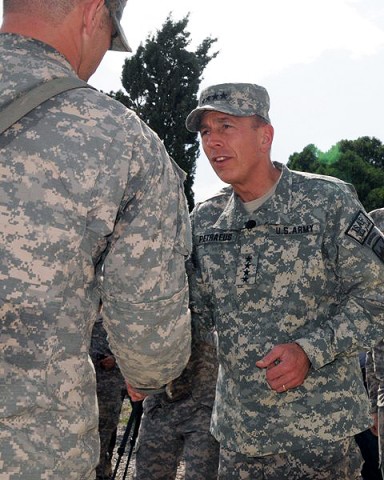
[
  {"x": 108, "y": 363},
  {"x": 375, "y": 427},
  {"x": 287, "y": 366}
]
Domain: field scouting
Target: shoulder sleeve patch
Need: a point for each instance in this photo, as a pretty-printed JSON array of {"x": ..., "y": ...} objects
[
  {"x": 360, "y": 227},
  {"x": 364, "y": 231}
]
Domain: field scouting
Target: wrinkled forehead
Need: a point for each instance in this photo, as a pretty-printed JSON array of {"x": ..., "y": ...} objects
[{"x": 215, "y": 117}]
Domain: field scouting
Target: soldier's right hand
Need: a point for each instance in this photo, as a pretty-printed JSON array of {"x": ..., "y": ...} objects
[{"x": 134, "y": 395}]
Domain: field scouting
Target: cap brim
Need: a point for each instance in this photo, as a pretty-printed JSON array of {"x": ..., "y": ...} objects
[
  {"x": 120, "y": 42},
  {"x": 194, "y": 118}
]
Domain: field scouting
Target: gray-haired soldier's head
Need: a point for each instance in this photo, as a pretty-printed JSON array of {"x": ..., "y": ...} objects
[
  {"x": 238, "y": 99},
  {"x": 58, "y": 9}
]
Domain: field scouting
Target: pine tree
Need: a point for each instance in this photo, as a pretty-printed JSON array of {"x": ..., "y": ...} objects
[{"x": 161, "y": 83}]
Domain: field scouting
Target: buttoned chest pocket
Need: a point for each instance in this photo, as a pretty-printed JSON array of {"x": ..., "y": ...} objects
[
  {"x": 291, "y": 260},
  {"x": 218, "y": 264}
]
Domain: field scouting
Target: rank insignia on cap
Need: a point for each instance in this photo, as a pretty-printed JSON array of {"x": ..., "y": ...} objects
[
  {"x": 360, "y": 227},
  {"x": 214, "y": 98}
]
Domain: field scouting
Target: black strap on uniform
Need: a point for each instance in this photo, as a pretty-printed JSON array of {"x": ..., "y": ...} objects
[{"x": 35, "y": 97}]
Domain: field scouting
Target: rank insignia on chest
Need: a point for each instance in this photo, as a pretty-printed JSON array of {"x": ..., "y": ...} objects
[{"x": 246, "y": 270}]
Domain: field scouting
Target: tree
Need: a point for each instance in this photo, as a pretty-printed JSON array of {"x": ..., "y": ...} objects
[
  {"x": 161, "y": 82},
  {"x": 359, "y": 162}
]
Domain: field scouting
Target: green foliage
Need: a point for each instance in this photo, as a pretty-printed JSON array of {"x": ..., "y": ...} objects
[
  {"x": 161, "y": 82},
  {"x": 359, "y": 162},
  {"x": 329, "y": 157}
]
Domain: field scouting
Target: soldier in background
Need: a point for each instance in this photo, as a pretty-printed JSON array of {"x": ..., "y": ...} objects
[
  {"x": 374, "y": 370},
  {"x": 84, "y": 184},
  {"x": 110, "y": 388},
  {"x": 367, "y": 440},
  {"x": 289, "y": 271},
  {"x": 175, "y": 424}
]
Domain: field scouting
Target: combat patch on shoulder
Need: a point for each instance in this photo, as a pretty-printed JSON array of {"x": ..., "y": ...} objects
[{"x": 360, "y": 227}]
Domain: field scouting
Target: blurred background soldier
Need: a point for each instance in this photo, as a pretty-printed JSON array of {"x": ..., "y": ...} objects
[
  {"x": 367, "y": 440},
  {"x": 110, "y": 387},
  {"x": 175, "y": 424}
]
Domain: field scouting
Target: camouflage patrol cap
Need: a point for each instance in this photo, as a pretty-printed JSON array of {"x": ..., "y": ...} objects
[
  {"x": 119, "y": 42},
  {"x": 238, "y": 99}
]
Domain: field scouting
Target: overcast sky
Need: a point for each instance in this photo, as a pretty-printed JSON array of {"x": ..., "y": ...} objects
[{"x": 322, "y": 62}]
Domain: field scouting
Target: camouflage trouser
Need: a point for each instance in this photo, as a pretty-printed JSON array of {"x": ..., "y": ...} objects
[
  {"x": 164, "y": 438},
  {"x": 110, "y": 400},
  {"x": 338, "y": 461}
]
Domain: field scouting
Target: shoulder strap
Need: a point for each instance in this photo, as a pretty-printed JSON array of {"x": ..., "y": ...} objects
[{"x": 35, "y": 97}]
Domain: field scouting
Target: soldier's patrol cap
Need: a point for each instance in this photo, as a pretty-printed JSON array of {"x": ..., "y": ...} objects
[
  {"x": 119, "y": 41},
  {"x": 238, "y": 99}
]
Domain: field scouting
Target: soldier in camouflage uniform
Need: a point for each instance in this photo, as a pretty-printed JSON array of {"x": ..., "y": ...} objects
[
  {"x": 110, "y": 387},
  {"x": 288, "y": 272},
  {"x": 374, "y": 370},
  {"x": 175, "y": 424},
  {"x": 84, "y": 183}
]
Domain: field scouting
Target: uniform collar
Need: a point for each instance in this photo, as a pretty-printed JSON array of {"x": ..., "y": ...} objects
[{"x": 275, "y": 210}]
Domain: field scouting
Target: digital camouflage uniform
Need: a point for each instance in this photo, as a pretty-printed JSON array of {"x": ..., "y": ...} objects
[
  {"x": 83, "y": 182},
  {"x": 110, "y": 386},
  {"x": 305, "y": 267},
  {"x": 176, "y": 424},
  {"x": 374, "y": 368}
]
